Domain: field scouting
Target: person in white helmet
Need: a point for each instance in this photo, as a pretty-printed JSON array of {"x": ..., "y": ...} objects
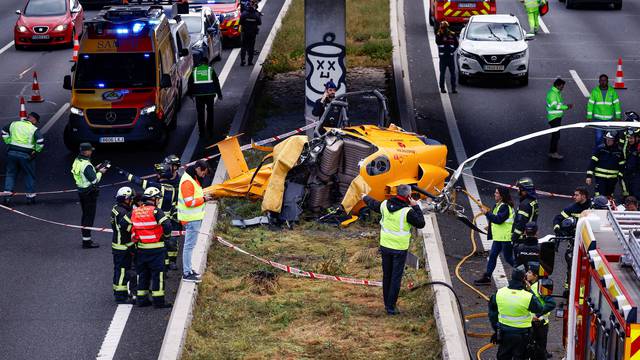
[{"x": 121, "y": 245}]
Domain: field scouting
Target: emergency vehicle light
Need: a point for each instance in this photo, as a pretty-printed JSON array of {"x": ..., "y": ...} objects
[
  {"x": 101, "y": 85},
  {"x": 137, "y": 27}
]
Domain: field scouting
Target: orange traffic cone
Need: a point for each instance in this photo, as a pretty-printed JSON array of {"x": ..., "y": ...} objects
[
  {"x": 35, "y": 98},
  {"x": 23, "y": 109},
  {"x": 619, "y": 84},
  {"x": 76, "y": 48}
]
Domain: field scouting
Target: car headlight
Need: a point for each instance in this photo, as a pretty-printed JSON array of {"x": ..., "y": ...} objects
[
  {"x": 519, "y": 55},
  {"x": 232, "y": 14},
  {"x": 466, "y": 54},
  {"x": 61, "y": 27},
  {"x": 22, "y": 28},
  {"x": 76, "y": 111},
  {"x": 148, "y": 110}
]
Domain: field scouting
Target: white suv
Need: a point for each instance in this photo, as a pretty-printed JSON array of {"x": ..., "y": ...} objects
[{"x": 493, "y": 45}]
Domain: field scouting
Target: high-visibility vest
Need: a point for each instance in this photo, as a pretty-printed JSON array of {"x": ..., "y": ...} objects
[
  {"x": 395, "y": 232},
  {"x": 202, "y": 74},
  {"x": 22, "y": 135},
  {"x": 534, "y": 289},
  {"x": 555, "y": 104},
  {"x": 601, "y": 109},
  {"x": 513, "y": 307},
  {"x": 145, "y": 227},
  {"x": 186, "y": 213},
  {"x": 502, "y": 232},
  {"x": 531, "y": 5},
  {"x": 77, "y": 170}
]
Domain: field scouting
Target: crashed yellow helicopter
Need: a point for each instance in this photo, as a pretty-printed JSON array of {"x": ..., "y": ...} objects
[{"x": 337, "y": 165}]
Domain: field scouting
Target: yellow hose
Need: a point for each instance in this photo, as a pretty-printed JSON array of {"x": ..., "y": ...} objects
[
  {"x": 464, "y": 259},
  {"x": 483, "y": 349}
]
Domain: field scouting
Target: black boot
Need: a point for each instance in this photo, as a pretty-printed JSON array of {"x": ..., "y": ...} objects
[
  {"x": 484, "y": 280},
  {"x": 88, "y": 244}
]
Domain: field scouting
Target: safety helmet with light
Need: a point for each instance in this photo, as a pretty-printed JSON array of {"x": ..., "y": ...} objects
[
  {"x": 163, "y": 170},
  {"x": 172, "y": 160},
  {"x": 526, "y": 184},
  {"x": 151, "y": 193}
]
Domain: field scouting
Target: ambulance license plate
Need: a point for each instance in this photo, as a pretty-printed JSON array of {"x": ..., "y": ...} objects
[
  {"x": 466, "y": 5},
  {"x": 111, "y": 139},
  {"x": 40, "y": 37},
  {"x": 494, "y": 67}
]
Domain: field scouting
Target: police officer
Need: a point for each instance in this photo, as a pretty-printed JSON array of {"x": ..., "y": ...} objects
[
  {"x": 167, "y": 203},
  {"x": 150, "y": 227},
  {"x": 607, "y": 167},
  {"x": 204, "y": 85},
  {"x": 250, "y": 21},
  {"x": 399, "y": 214},
  {"x": 121, "y": 244},
  {"x": 581, "y": 203},
  {"x": 529, "y": 250},
  {"x": 527, "y": 209},
  {"x": 86, "y": 177},
  {"x": 25, "y": 141},
  {"x": 510, "y": 314},
  {"x": 540, "y": 320}
]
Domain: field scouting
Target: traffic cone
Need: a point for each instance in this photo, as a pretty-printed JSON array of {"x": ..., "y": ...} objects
[
  {"x": 619, "y": 84},
  {"x": 35, "y": 98},
  {"x": 76, "y": 48},
  {"x": 23, "y": 109}
]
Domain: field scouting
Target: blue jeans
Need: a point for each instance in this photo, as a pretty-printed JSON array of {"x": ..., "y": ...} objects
[
  {"x": 392, "y": 269},
  {"x": 192, "y": 230},
  {"x": 17, "y": 161},
  {"x": 496, "y": 248}
]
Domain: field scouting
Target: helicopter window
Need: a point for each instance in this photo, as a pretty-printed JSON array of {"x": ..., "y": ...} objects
[{"x": 379, "y": 165}]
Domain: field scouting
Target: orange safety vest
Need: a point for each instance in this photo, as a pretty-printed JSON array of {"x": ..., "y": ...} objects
[{"x": 145, "y": 226}]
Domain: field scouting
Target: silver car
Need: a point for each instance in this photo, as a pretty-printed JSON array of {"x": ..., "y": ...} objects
[{"x": 204, "y": 31}]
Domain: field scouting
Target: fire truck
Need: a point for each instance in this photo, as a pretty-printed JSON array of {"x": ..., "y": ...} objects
[
  {"x": 602, "y": 320},
  {"x": 458, "y": 12}
]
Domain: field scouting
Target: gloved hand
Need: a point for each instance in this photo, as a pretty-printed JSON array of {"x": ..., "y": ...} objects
[{"x": 494, "y": 338}]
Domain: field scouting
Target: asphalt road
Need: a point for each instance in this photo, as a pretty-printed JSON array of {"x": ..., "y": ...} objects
[
  {"x": 57, "y": 301},
  {"x": 587, "y": 40}
]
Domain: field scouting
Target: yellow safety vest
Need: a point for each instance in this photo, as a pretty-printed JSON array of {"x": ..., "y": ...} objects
[
  {"x": 395, "y": 232},
  {"x": 22, "y": 135},
  {"x": 534, "y": 288},
  {"x": 185, "y": 213},
  {"x": 77, "y": 170},
  {"x": 502, "y": 232},
  {"x": 513, "y": 307}
]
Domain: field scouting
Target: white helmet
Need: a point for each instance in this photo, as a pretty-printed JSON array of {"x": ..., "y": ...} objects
[
  {"x": 124, "y": 193},
  {"x": 151, "y": 193}
]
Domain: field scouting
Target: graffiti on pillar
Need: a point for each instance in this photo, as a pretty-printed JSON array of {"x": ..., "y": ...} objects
[{"x": 326, "y": 62}]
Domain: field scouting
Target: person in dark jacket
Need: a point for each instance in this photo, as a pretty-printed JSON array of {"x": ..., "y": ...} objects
[
  {"x": 250, "y": 21},
  {"x": 331, "y": 120},
  {"x": 500, "y": 220},
  {"x": 529, "y": 250},
  {"x": 447, "y": 42},
  {"x": 204, "y": 85},
  {"x": 540, "y": 324},
  {"x": 510, "y": 315},
  {"x": 399, "y": 214},
  {"x": 607, "y": 167},
  {"x": 581, "y": 203},
  {"x": 527, "y": 209},
  {"x": 631, "y": 152},
  {"x": 122, "y": 247}
]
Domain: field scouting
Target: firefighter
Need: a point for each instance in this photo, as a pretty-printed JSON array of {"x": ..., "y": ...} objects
[
  {"x": 447, "y": 42},
  {"x": 527, "y": 209},
  {"x": 150, "y": 227},
  {"x": 555, "y": 111},
  {"x": 167, "y": 203},
  {"x": 540, "y": 320},
  {"x": 86, "y": 177},
  {"x": 121, "y": 244},
  {"x": 607, "y": 166},
  {"x": 631, "y": 152},
  {"x": 204, "y": 85},
  {"x": 250, "y": 21},
  {"x": 24, "y": 142},
  {"x": 510, "y": 314},
  {"x": 603, "y": 105},
  {"x": 529, "y": 250},
  {"x": 501, "y": 221},
  {"x": 581, "y": 203},
  {"x": 532, "y": 8},
  {"x": 174, "y": 161}
]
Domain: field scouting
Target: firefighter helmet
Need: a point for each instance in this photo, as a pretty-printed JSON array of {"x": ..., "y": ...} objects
[
  {"x": 611, "y": 135},
  {"x": 526, "y": 184},
  {"x": 163, "y": 170},
  {"x": 151, "y": 193},
  {"x": 125, "y": 193},
  {"x": 172, "y": 160}
]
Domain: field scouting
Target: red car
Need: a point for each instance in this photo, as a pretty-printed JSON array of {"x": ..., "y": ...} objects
[
  {"x": 48, "y": 22},
  {"x": 228, "y": 12}
]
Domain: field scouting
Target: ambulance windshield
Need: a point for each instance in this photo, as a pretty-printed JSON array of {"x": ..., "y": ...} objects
[{"x": 115, "y": 70}]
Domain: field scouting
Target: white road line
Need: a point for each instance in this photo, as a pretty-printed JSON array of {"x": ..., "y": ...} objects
[
  {"x": 6, "y": 47},
  {"x": 499, "y": 276},
  {"x": 579, "y": 82},
  {"x": 116, "y": 328},
  {"x": 543, "y": 26},
  {"x": 54, "y": 118}
]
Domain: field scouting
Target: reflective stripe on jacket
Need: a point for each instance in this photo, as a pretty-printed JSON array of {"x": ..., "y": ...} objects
[
  {"x": 121, "y": 226},
  {"x": 22, "y": 135},
  {"x": 513, "y": 307},
  {"x": 534, "y": 289},
  {"x": 146, "y": 228},
  {"x": 77, "y": 170},
  {"x": 555, "y": 104},
  {"x": 395, "y": 231},
  {"x": 600, "y": 109},
  {"x": 190, "y": 199}
]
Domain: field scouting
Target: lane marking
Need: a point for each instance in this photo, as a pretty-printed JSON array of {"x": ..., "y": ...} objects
[
  {"x": 579, "y": 82},
  {"x": 543, "y": 26},
  {"x": 499, "y": 276},
  {"x": 54, "y": 118},
  {"x": 116, "y": 328},
  {"x": 6, "y": 47}
]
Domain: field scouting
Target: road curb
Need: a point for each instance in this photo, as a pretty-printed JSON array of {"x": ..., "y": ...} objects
[
  {"x": 402, "y": 85},
  {"x": 445, "y": 309}
]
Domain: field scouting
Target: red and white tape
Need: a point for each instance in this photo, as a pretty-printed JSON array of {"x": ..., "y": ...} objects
[{"x": 300, "y": 272}]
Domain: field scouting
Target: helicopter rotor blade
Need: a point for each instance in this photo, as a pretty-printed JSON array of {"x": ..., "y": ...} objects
[{"x": 469, "y": 223}]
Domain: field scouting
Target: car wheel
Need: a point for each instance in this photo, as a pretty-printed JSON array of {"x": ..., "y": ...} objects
[
  {"x": 69, "y": 141},
  {"x": 18, "y": 47},
  {"x": 617, "y": 5},
  {"x": 525, "y": 80}
]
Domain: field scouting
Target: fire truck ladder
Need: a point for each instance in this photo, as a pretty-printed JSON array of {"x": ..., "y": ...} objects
[{"x": 626, "y": 225}]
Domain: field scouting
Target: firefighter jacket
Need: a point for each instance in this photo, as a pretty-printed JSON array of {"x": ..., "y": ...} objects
[
  {"x": 528, "y": 251},
  {"x": 555, "y": 104},
  {"x": 250, "y": 20},
  {"x": 602, "y": 109},
  {"x": 447, "y": 43},
  {"x": 150, "y": 227},
  {"x": 607, "y": 163},
  {"x": 632, "y": 162},
  {"x": 527, "y": 212},
  {"x": 574, "y": 210},
  {"x": 168, "y": 192},
  {"x": 121, "y": 226},
  {"x": 513, "y": 307},
  {"x": 23, "y": 136}
]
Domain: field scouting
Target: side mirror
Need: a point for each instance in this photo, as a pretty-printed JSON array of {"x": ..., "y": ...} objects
[
  {"x": 184, "y": 52},
  {"x": 18, "y": 12},
  {"x": 165, "y": 81},
  {"x": 66, "y": 83},
  {"x": 529, "y": 37}
]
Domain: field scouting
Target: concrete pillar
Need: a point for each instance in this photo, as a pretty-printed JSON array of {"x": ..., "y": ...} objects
[{"x": 325, "y": 40}]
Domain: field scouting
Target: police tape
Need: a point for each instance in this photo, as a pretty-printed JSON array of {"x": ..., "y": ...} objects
[
  {"x": 206, "y": 158},
  {"x": 300, "y": 272}
]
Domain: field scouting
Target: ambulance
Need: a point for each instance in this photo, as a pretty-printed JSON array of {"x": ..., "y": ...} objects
[
  {"x": 125, "y": 84},
  {"x": 458, "y": 12}
]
